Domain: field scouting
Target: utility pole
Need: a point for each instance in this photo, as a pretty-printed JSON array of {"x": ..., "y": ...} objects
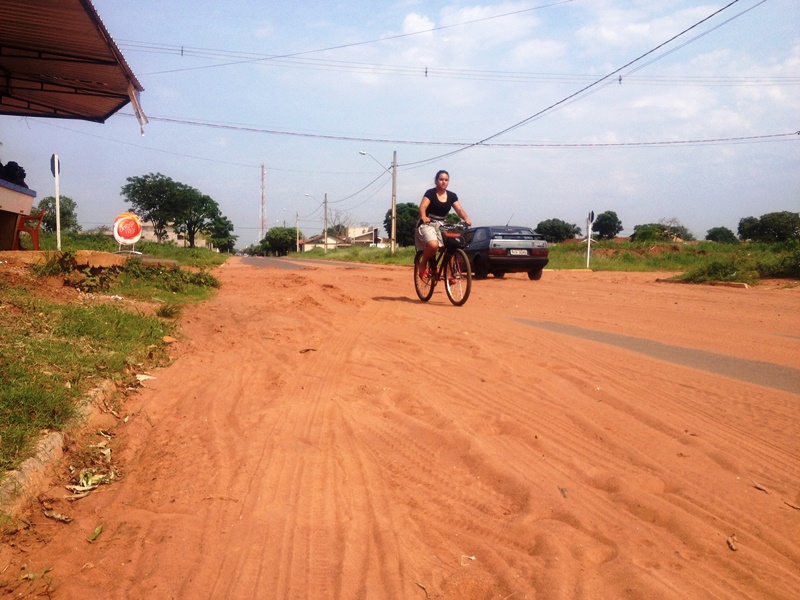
[
  {"x": 394, "y": 201},
  {"x": 325, "y": 231},
  {"x": 296, "y": 232},
  {"x": 262, "y": 226}
]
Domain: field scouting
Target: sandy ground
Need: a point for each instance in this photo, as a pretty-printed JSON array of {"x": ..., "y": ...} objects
[{"x": 323, "y": 434}]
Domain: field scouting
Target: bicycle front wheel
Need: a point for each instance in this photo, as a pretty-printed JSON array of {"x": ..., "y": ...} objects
[
  {"x": 424, "y": 286},
  {"x": 457, "y": 276}
]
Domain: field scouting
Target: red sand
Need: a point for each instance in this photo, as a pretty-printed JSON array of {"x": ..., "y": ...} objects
[{"x": 323, "y": 434}]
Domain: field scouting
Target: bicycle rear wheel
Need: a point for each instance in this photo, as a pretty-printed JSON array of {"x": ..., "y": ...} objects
[
  {"x": 457, "y": 276},
  {"x": 424, "y": 286}
]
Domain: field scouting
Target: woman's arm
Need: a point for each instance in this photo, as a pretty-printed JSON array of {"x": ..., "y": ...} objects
[
  {"x": 461, "y": 213},
  {"x": 423, "y": 210}
]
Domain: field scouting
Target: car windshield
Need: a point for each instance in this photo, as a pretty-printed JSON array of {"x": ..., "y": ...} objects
[{"x": 513, "y": 233}]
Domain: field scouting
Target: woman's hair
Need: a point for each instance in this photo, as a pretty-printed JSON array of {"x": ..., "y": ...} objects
[{"x": 439, "y": 173}]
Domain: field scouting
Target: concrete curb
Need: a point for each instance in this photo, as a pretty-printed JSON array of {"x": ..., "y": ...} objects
[
  {"x": 732, "y": 284},
  {"x": 22, "y": 485}
]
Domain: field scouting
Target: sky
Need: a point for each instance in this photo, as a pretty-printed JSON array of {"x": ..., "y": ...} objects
[{"x": 538, "y": 109}]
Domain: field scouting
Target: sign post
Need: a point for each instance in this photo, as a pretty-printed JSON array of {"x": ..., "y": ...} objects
[
  {"x": 55, "y": 169},
  {"x": 589, "y": 221}
]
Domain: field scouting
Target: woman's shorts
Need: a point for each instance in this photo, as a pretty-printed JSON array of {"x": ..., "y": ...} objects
[{"x": 427, "y": 232}]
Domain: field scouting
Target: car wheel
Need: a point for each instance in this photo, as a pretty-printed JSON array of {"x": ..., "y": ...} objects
[
  {"x": 499, "y": 274},
  {"x": 481, "y": 272},
  {"x": 535, "y": 274}
]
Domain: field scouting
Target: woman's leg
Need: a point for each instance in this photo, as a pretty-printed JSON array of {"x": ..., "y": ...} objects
[{"x": 427, "y": 254}]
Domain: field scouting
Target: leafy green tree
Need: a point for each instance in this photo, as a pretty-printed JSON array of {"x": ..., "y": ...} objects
[
  {"x": 220, "y": 232},
  {"x": 556, "y": 230},
  {"x": 607, "y": 225},
  {"x": 748, "y": 228},
  {"x": 666, "y": 230},
  {"x": 650, "y": 232},
  {"x": 157, "y": 199},
  {"x": 66, "y": 208},
  {"x": 771, "y": 227},
  {"x": 407, "y": 216},
  {"x": 722, "y": 235},
  {"x": 279, "y": 241},
  {"x": 196, "y": 213}
]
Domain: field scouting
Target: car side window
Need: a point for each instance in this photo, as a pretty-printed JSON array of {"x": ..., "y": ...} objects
[{"x": 480, "y": 235}]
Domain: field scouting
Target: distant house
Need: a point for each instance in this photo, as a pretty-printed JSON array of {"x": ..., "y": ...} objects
[
  {"x": 356, "y": 236},
  {"x": 363, "y": 236},
  {"x": 318, "y": 241},
  {"x": 179, "y": 239},
  {"x": 149, "y": 234}
]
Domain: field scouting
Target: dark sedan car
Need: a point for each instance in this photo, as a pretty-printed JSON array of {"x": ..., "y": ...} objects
[{"x": 506, "y": 249}]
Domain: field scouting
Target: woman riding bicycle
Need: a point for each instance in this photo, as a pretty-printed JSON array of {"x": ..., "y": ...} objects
[{"x": 433, "y": 209}]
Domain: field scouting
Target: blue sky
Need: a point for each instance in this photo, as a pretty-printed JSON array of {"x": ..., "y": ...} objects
[{"x": 303, "y": 87}]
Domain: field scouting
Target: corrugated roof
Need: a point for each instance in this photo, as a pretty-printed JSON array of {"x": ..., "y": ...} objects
[{"x": 58, "y": 60}]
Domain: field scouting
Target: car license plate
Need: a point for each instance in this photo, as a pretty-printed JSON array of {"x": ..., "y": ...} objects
[{"x": 514, "y": 252}]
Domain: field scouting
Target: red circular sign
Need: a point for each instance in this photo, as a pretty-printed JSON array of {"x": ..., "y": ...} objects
[{"x": 127, "y": 228}]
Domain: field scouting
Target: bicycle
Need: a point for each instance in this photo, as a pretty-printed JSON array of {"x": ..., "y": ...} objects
[{"x": 450, "y": 265}]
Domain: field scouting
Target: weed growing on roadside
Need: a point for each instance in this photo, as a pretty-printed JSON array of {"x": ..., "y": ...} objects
[
  {"x": 51, "y": 354},
  {"x": 169, "y": 311}
]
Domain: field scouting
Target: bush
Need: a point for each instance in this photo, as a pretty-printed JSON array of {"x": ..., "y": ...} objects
[
  {"x": 721, "y": 235},
  {"x": 724, "y": 270}
]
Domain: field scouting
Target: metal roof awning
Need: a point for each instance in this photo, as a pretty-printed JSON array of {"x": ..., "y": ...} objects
[{"x": 58, "y": 60}]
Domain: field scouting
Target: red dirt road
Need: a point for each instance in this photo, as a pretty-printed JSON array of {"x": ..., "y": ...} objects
[{"x": 323, "y": 434}]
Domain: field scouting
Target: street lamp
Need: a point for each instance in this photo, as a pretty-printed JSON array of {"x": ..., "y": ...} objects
[{"x": 393, "y": 233}]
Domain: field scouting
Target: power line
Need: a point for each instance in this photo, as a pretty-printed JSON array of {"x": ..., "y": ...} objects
[
  {"x": 461, "y": 145},
  {"x": 362, "y": 43},
  {"x": 578, "y": 93}
]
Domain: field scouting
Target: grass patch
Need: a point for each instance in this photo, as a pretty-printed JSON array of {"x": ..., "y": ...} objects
[
  {"x": 698, "y": 262},
  {"x": 192, "y": 257},
  {"x": 171, "y": 285},
  {"x": 51, "y": 354},
  {"x": 362, "y": 254}
]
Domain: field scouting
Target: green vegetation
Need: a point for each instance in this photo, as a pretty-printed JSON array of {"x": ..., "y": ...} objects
[
  {"x": 556, "y": 230},
  {"x": 163, "y": 202},
  {"x": 696, "y": 261},
  {"x": 362, "y": 254},
  {"x": 66, "y": 208},
  {"x": 99, "y": 242},
  {"x": 607, "y": 225},
  {"x": 52, "y": 354},
  {"x": 771, "y": 227}
]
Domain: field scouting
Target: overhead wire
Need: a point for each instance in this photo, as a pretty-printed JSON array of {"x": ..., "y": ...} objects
[
  {"x": 365, "y": 42},
  {"x": 576, "y": 94}
]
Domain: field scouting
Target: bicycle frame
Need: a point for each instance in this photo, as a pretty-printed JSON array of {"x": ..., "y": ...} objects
[{"x": 450, "y": 265}]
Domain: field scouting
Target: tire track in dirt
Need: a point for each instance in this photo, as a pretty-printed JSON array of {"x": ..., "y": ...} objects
[{"x": 303, "y": 445}]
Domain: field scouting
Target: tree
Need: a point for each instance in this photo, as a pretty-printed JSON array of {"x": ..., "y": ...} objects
[
  {"x": 650, "y": 232},
  {"x": 722, "y": 235},
  {"x": 196, "y": 213},
  {"x": 748, "y": 228},
  {"x": 66, "y": 208},
  {"x": 407, "y": 216},
  {"x": 279, "y": 241},
  {"x": 338, "y": 223},
  {"x": 607, "y": 225},
  {"x": 666, "y": 230},
  {"x": 676, "y": 231},
  {"x": 155, "y": 198},
  {"x": 771, "y": 227},
  {"x": 220, "y": 232},
  {"x": 556, "y": 230}
]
